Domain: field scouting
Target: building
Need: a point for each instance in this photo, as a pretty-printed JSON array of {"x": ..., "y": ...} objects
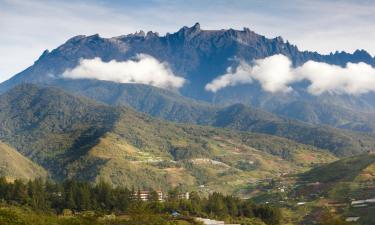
[
  {"x": 146, "y": 195},
  {"x": 352, "y": 219},
  {"x": 185, "y": 195},
  {"x": 206, "y": 221}
]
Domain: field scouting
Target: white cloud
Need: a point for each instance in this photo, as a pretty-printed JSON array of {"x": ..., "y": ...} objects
[
  {"x": 231, "y": 78},
  {"x": 354, "y": 79},
  {"x": 275, "y": 74},
  {"x": 144, "y": 69}
]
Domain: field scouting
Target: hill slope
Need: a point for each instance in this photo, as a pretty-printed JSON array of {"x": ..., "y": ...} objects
[
  {"x": 76, "y": 138},
  {"x": 151, "y": 100},
  {"x": 345, "y": 187},
  {"x": 342, "y": 186},
  {"x": 340, "y": 142},
  {"x": 344, "y": 170},
  {"x": 49, "y": 126},
  {"x": 13, "y": 165},
  {"x": 174, "y": 107}
]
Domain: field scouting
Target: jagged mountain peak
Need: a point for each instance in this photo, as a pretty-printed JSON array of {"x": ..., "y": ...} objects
[
  {"x": 75, "y": 38},
  {"x": 195, "y": 28},
  {"x": 189, "y": 32},
  {"x": 362, "y": 54}
]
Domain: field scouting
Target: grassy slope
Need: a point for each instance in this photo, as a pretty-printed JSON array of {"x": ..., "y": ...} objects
[{"x": 13, "y": 165}]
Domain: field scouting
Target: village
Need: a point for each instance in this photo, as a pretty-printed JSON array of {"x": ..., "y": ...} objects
[{"x": 286, "y": 191}]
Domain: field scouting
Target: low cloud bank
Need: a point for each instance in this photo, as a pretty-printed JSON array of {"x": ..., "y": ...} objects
[
  {"x": 143, "y": 69},
  {"x": 276, "y": 74}
]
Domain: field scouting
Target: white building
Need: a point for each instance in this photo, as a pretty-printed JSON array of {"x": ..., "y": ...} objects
[
  {"x": 206, "y": 221},
  {"x": 352, "y": 219}
]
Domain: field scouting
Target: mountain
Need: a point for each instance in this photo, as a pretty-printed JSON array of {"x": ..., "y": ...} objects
[
  {"x": 50, "y": 127},
  {"x": 151, "y": 100},
  {"x": 74, "y": 137},
  {"x": 13, "y": 165},
  {"x": 172, "y": 106},
  {"x": 201, "y": 56},
  {"x": 333, "y": 115}
]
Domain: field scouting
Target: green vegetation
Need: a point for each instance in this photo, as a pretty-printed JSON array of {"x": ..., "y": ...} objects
[
  {"x": 344, "y": 180},
  {"x": 49, "y": 126},
  {"x": 339, "y": 142},
  {"x": 174, "y": 107},
  {"x": 143, "y": 98},
  {"x": 331, "y": 112},
  {"x": 344, "y": 170},
  {"x": 72, "y": 137},
  {"x": 90, "y": 202},
  {"x": 11, "y": 215},
  {"x": 93, "y": 144}
]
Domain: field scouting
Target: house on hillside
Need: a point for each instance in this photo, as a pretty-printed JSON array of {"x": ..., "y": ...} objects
[
  {"x": 185, "y": 195},
  {"x": 206, "y": 221},
  {"x": 352, "y": 219},
  {"x": 146, "y": 195}
]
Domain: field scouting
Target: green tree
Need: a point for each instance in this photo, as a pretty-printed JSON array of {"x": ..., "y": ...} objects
[
  {"x": 36, "y": 191},
  {"x": 19, "y": 192},
  {"x": 216, "y": 205}
]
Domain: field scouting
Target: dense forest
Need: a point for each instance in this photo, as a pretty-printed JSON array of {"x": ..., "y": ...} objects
[{"x": 81, "y": 198}]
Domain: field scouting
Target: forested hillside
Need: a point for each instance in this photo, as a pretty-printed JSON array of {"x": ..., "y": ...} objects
[{"x": 73, "y": 137}]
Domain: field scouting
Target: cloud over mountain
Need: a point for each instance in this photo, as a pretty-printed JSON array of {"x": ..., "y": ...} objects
[
  {"x": 276, "y": 74},
  {"x": 273, "y": 73},
  {"x": 143, "y": 69}
]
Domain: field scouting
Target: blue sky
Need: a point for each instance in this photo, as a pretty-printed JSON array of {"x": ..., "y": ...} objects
[{"x": 27, "y": 27}]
